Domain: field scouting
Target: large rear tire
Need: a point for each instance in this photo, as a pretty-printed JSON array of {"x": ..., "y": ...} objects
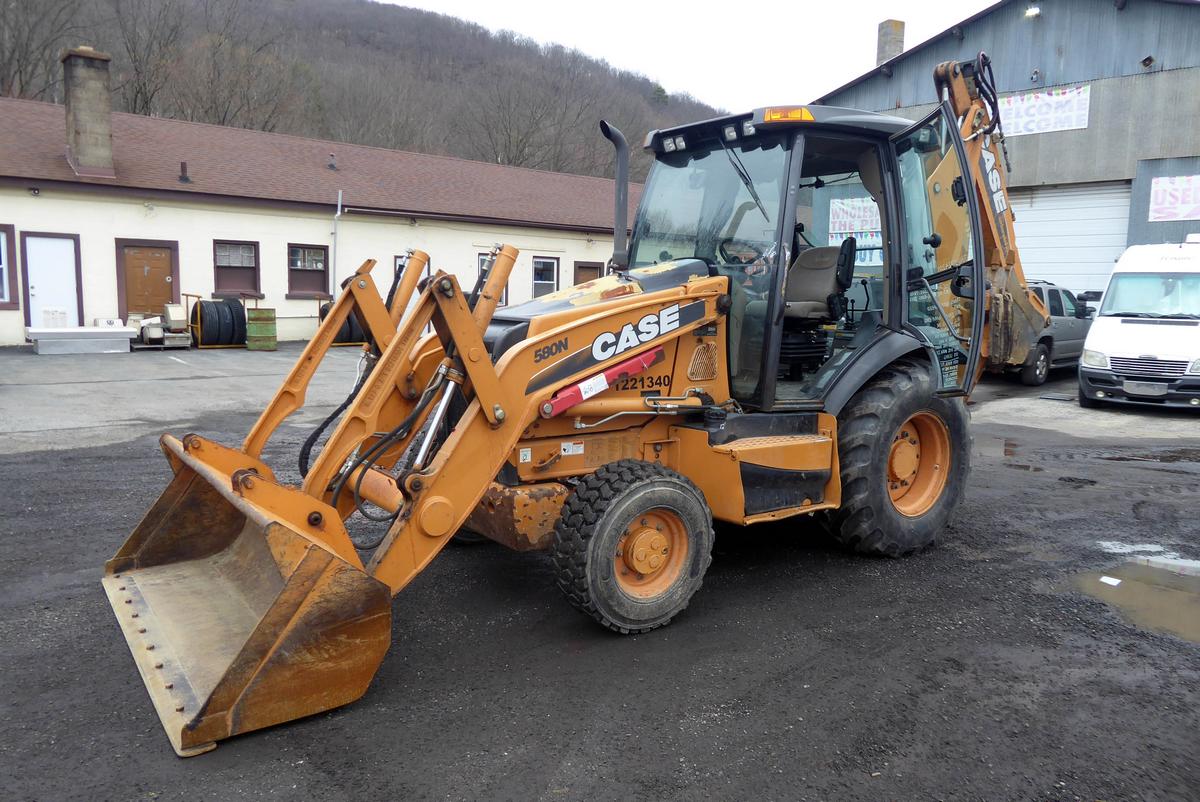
[
  {"x": 207, "y": 323},
  {"x": 632, "y": 544},
  {"x": 225, "y": 320},
  {"x": 905, "y": 455},
  {"x": 238, "y": 313}
]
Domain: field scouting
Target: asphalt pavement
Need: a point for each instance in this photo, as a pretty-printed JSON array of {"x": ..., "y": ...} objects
[{"x": 983, "y": 668}]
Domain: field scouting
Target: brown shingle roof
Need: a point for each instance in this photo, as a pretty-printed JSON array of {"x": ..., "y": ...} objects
[{"x": 241, "y": 163}]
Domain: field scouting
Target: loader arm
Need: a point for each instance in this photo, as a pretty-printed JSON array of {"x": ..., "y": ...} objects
[
  {"x": 505, "y": 399},
  {"x": 1015, "y": 316}
]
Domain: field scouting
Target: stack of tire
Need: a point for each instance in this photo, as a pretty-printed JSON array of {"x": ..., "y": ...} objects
[
  {"x": 350, "y": 331},
  {"x": 218, "y": 322}
]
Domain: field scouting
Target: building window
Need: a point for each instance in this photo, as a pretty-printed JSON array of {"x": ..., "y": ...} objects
[
  {"x": 308, "y": 275},
  {"x": 482, "y": 262},
  {"x": 8, "y": 268},
  {"x": 545, "y": 275},
  {"x": 235, "y": 268}
]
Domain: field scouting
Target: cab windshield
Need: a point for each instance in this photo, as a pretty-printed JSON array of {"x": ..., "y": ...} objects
[
  {"x": 1152, "y": 295},
  {"x": 715, "y": 203}
]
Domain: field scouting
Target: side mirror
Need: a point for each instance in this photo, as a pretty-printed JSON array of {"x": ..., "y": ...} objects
[
  {"x": 960, "y": 285},
  {"x": 1083, "y": 311}
]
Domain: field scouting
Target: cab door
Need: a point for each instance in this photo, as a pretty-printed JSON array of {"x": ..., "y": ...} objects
[{"x": 941, "y": 249}]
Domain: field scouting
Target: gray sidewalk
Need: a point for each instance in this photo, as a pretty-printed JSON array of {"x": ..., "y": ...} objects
[{"x": 55, "y": 402}]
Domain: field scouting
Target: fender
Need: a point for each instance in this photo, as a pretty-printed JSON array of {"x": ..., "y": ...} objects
[{"x": 880, "y": 352}]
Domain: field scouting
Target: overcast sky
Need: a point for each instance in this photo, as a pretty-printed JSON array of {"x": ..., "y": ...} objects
[{"x": 734, "y": 55}]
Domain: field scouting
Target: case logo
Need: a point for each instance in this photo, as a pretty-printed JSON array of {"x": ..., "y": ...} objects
[{"x": 631, "y": 335}]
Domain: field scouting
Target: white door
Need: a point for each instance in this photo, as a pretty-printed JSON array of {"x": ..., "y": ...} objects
[
  {"x": 53, "y": 293},
  {"x": 1072, "y": 235}
]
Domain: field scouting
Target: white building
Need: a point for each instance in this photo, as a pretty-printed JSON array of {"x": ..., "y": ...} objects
[{"x": 104, "y": 214}]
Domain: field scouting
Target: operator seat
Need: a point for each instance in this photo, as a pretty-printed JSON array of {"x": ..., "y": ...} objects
[{"x": 817, "y": 281}]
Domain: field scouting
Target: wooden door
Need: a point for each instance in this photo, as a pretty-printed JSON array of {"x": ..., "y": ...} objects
[
  {"x": 148, "y": 279},
  {"x": 586, "y": 271}
]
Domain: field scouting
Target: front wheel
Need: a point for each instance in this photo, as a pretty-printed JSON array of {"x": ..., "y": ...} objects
[
  {"x": 905, "y": 455},
  {"x": 632, "y": 544},
  {"x": 1034, "y": 374},
  {"x": 1086, "y": 401}
]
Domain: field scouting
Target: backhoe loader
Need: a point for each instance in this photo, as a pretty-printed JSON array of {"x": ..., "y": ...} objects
[{"x": 762, "y": 349}]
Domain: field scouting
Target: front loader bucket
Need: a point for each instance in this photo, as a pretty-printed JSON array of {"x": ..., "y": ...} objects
[{"x": 236, "y": 619}]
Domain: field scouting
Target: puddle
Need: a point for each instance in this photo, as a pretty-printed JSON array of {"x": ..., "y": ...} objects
[
  {"x": 996, "y": 446},
  {"x": 1057, "y": 396},
  {"x": 1176, "y": 455},
  {"x": 1077, "y": 481},
  {"x": 1117, "y": 547},
  {"x": 1150, "y": 596}
]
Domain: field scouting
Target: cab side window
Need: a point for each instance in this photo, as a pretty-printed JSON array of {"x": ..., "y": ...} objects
[
  {"x": 1056, "y": 307},
  {"x": 1068, "y": 303}
]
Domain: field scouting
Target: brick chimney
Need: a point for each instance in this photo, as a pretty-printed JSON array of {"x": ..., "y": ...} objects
[
  {"x": 89, "y": 112},
  {"x": 891, "y": 41}
]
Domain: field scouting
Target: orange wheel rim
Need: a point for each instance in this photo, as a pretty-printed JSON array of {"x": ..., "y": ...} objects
[
  {"x": 651, "y": 553},
  {"x": 918, "y": 464}
]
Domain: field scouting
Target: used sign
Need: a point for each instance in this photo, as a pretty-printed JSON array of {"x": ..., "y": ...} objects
[{"x": 1175, "y": 197}]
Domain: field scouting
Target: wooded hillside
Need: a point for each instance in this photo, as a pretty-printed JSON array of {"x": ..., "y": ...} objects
[{"x": 347, "y": 70}]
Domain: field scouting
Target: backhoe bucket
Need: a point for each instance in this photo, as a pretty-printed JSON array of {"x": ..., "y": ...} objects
[{"x": 236, "y": 619}]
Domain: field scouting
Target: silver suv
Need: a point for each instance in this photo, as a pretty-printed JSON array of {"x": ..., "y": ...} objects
[{"x": 1060, "y": 343}]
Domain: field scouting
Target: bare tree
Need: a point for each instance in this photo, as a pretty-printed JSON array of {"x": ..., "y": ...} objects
[
  {"x": 232, "y": 73},
  {"x": 150, "y": 32},
  {"x": 32, "y": 32},
  {"x": 350, "y": 70}
]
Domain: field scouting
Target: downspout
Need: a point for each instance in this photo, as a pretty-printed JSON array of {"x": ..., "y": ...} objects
[{"x": 331, "y": 280}]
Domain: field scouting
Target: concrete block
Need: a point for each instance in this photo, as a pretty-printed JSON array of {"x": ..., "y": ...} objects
[{"x": 91, "y": 346}]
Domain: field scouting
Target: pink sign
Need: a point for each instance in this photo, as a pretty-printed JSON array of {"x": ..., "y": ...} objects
[{"x": 1175, "y": 197}]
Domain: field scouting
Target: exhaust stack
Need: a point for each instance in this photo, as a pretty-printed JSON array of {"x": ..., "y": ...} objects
[{"x": 620, "y": 256}]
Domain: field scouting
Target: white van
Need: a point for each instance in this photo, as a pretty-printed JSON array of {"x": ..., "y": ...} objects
[{"x": 1144, "y": 346}]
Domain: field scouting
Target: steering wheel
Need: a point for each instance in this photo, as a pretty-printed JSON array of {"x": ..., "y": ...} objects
[{"x": 738, "y": 252}]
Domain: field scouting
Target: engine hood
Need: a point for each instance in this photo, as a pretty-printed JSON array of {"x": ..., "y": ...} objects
[
  {"x": 1133, "y": 337},
  {"x": 640, "y": 280}
]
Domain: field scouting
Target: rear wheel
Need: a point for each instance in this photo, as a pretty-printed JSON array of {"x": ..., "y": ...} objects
[
  {"x": 1034, "y": 374},
  {"x": 905, "y": 455},
  {"x": 632, "y": 544}
]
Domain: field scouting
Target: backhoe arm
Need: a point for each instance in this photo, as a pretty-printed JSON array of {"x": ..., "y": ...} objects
[{"x": 1015, "y": 316}]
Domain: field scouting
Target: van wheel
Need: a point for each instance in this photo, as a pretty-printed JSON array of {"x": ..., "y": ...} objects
[
  {"x": 1034, "y": 374},
  {"x": 632, "y": 544},
  {"x": 1086, "y": 401},
  {"x": 905, "y": 455}
]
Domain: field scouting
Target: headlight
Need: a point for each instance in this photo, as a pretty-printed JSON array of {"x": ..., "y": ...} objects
[
  {"x": 1195, "y": 367},
  {"x": 1095, "y": 359}
]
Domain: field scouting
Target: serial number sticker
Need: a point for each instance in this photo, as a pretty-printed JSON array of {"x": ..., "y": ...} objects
[
  {"x": 643, "y": 383},
  {"x": 526, "y": 455},
  {"x": 593, "y": 386},
  {"x": 571, "y": 449}
]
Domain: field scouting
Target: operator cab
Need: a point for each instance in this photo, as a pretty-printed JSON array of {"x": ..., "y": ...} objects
[{"x": 839, "y": 229}]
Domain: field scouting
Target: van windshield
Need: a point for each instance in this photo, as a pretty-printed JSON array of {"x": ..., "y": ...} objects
[{"x": 1152, "y": 295}]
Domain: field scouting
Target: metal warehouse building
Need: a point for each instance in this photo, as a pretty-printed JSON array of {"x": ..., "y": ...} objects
[{"x": 1100, "y": 103}]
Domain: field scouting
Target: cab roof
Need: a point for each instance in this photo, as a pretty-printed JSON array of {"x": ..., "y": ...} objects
[{"x": 780, "y": 117}]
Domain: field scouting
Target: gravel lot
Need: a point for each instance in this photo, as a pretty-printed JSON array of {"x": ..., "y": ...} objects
[{"x": 975, "y": 670}]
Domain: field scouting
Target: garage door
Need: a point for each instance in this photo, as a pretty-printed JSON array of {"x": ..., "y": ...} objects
[{"x": 1071, "y": 235}]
